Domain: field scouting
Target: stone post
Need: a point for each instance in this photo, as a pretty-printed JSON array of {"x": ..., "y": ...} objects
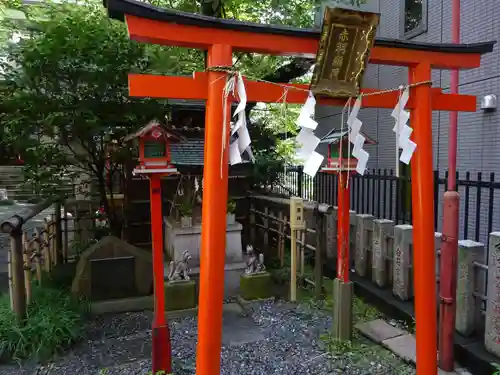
[
  {"x": 492, "y": 326},
  {"x": 331, "y": 235},
  {"x": 403, "y": 238},
  {"x": 382, "y": 229},
  {"x": 468, "y": 252},
  {"x": 364, "y": 224}
]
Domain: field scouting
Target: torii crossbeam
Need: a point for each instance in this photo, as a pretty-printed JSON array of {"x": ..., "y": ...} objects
[{"x": 222, "y": 38}]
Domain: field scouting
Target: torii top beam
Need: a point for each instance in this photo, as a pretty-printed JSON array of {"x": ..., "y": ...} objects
[{"x": 150, "y": 24}]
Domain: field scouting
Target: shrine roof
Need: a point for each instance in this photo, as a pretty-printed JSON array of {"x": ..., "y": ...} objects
[
  {"x": 149, "y": 127},
  {"x": 118, "y": 8},
  {"x": 190, "y": 152},
  {"x": 334, "y": 136}
]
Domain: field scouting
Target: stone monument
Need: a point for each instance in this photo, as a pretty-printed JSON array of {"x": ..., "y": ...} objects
[{"x": 113, "y": 269}]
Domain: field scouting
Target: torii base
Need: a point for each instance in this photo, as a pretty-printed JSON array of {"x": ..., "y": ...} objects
[
  {"x": 342, "y": 310},
  {"x": 162, "y": 352}
]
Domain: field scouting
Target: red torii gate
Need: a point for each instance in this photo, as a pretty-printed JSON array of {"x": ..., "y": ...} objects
[{"x": 221, "y": 38}]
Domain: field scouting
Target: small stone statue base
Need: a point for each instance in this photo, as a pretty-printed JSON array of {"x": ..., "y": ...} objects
[
  {"x": 180, "y": 295},
  {"x": 256, "y": 286}
]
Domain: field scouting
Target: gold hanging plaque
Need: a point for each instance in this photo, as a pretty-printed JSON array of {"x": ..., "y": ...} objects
[{"x": 346, "y": 40}]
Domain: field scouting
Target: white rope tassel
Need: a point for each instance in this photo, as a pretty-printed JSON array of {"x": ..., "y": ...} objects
[
  {"x": 228, "y": 90},
  {"x": 242, "y": 143}
]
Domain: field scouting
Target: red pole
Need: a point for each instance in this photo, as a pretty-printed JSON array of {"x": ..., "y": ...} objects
[
  {"x": 343, "y": 228},
  {"x": 424, "y": 258},
  {"x": 213, "y": 230},
  {"x": 449, "y": 247},
  {"x": 162, "y": 351}
]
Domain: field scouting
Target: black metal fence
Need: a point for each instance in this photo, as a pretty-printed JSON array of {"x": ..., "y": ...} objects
[{"x": 384, "y": 195}]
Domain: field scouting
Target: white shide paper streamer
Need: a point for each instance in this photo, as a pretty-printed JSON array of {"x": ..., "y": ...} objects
[
  {"x": 306, "y": 140},
  {"x": 357, "y": 139},
  {"x": 402, "y": 130}
]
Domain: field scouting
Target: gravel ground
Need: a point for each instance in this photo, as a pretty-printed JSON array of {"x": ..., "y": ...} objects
[{"x": 281, "y": 338}]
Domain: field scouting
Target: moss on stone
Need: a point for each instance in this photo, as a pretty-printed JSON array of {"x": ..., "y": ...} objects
[
  {"x": 256, "y": 286},
  {"x": 180, "y": 295}
]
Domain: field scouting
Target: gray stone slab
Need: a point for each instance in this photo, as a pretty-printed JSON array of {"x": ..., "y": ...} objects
[
  {"x": 238, "y": 328},
  {"x": 379, "y": 330},
  {"x": 403, "y": 346}
]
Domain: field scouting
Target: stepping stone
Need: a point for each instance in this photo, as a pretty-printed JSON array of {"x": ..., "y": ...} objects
[
  {"x": 403, "y": 346},
  {"x": 379, "y": 330},
  {"x": 238, "y": 329}
]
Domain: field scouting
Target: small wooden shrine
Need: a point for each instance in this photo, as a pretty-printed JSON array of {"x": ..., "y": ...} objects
[
  {"x": 340, "y": 151},
  {"x": 155, "y": 148}
]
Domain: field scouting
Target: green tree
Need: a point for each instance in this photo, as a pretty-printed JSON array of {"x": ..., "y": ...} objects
[
  {"x": 64, "y": 89},
  {"x": 65, "y": 94}
]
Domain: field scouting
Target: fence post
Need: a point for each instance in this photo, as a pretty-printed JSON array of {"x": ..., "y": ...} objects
[
  {"x": 38, "y": 255},
  {"x": 401, "y": 286},
  {"x": 300, "y": 182},
  {"x": 18, "y": 287},
  {"x": 438, "y": 238},
  {"x": 352, "y": 235},
  {"x": 281, "y": 238},
  {"x": 468, "y": 252},
  {"x": 318, "y": 256},
  {"x": 66, "y": 235},
  {"x": 492, "y": 329},
  {"x": 27, "y": 267},
  {"x": 47, "y": 260},
  {"x": 252, "y": 224},
  {"x": 331, "y": 235},
  {"x": 266, "y": 230},
  {"x": 364, "y": 224},
  {"x": 58, "y": 234},
  {"x": 382, "y": 228}
]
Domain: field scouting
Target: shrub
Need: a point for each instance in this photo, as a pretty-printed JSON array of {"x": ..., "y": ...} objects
[
  {"x": 7, "y": 202},
  {"x": 53, "y": 323}
]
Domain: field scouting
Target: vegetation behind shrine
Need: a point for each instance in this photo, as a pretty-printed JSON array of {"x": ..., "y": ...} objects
[{"x": 65, "y": 79}]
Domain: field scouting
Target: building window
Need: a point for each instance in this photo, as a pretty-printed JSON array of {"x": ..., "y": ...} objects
[{"x": 413, "y": 18}]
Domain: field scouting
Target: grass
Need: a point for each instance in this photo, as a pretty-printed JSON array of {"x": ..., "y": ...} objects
[
  {"x": 54, "y": 322},
  {"x": 361, "y": 351}
]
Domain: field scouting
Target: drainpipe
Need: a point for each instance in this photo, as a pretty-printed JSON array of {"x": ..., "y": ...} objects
[{"x": 449, "y": 246}]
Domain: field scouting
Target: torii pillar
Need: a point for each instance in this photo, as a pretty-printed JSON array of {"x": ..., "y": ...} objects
[{"x": 221, "y": 38}]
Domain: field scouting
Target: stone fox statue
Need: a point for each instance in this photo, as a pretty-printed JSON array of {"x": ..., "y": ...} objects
[
  {"x": 178, "y": 271},
  {"x": 254, "y": 264}
]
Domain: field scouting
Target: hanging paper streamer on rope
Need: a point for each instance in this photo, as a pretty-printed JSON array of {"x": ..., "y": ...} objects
[
  {"x": 402, "y": 130},
  {"x": 306, "y": 140},
  {"x": 307, "y": 112},
  {"x": 240, "y": 138},
  {"x": 357, "y": 139}
]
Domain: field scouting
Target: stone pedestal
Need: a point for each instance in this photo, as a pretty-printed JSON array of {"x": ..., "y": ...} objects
[
  {"x": 492, "y": 328},
  {"x": 402, "y": 280},
  {"x": 254, "y": 287},
  {"x": 468, "y": 252},
  {"x": 382, "y": 230},
  {"x": 178, "y": 239},
  {"x": 180, "y": 295},
  {"x": 364, "y": 226}
]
